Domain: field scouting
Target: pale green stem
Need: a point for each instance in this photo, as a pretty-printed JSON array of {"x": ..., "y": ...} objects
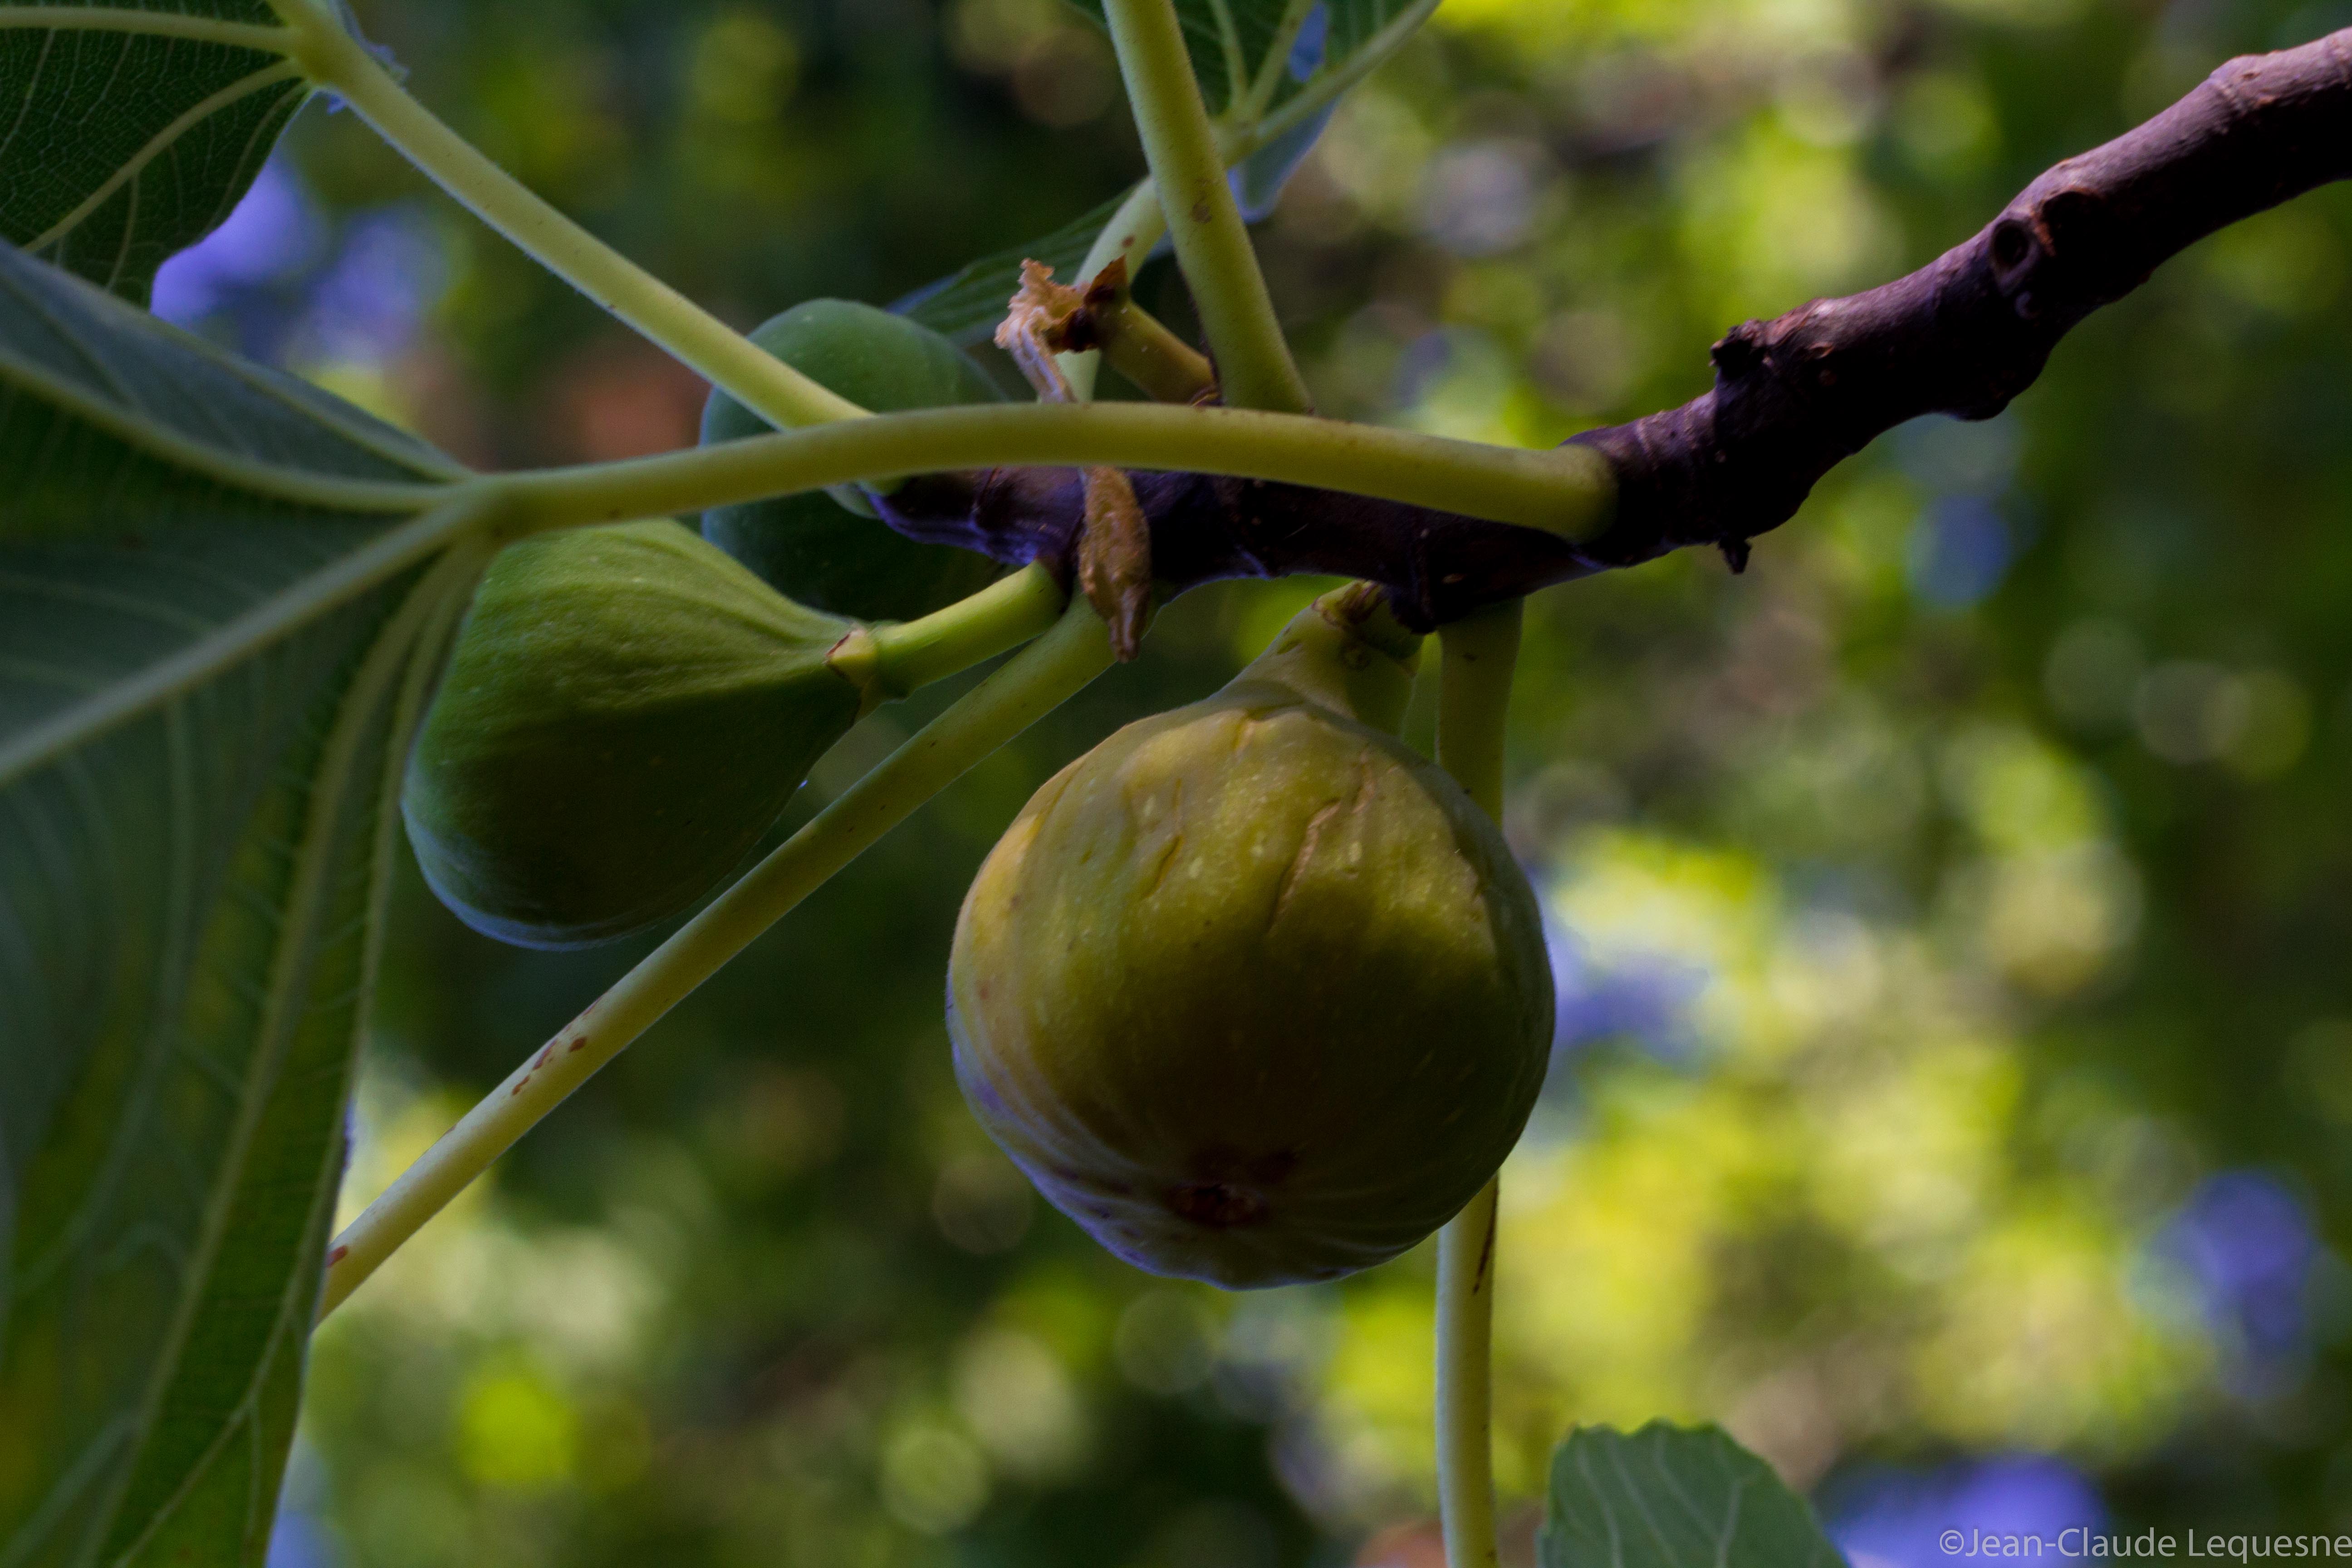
[
  {"x": 1213, "y": 244},
  {"x": 1474, "y": 692},
  {"x": 1002, "y": 616},
  {"x": 1140, "y": 221},
  {"x": 1561, "y": 489},
  {"x": 1229, "y": 39},
  {"x": 333, "y": 60},
  {"x": 1129, "y": 235},
  {"x": 1032, "y": 683},
  {"x": 1466, "y": 1382}
]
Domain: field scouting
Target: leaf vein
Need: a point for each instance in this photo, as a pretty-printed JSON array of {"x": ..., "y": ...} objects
[
  {"x": 261, "y": 39},
  {"x": 196, "y": 114}
]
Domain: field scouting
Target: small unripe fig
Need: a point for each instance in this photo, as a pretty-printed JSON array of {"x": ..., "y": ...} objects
[
  {"x": 825, "y": 548},
  {"x": 626, "y": 712},
  {"x": 1252, "y": 991}
]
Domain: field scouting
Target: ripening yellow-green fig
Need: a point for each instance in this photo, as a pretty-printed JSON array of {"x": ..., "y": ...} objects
[{"x": 1252, "y": 991}]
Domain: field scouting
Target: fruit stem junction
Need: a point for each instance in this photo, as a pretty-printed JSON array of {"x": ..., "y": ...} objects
[{"x": 1005, "y": 613}]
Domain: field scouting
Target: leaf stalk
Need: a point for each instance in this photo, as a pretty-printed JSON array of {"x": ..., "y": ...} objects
[
  {"x": 1480, "y": 652},
  {"x": 333, "y": 59},
  {"x": 1213, "y": 244},
  {"x": 1561, "y": 491}
]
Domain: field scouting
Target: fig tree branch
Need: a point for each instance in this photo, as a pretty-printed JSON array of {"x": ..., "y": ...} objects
[
  {"x": 1965, "y": 335},
  {"x": 1792, "y": 397}
]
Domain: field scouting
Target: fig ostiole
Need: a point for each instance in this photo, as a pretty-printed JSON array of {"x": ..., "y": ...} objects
[
  {"x": 1252, "y": 991},
  {"x": 626, "y": 712},
  {"x": 827, "y": 548}
]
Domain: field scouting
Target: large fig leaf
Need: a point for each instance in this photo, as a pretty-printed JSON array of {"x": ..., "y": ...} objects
[
  {"x": 1233, "y": 44},
  {"x": 1270, "y": 70},
  {"x": 1357, "y": 28},
  {"x": 222, "y": 597},
  {"x": 133, "y": 126},
  {"x": 1228, "y": 39},
  {"x": 1673, "y": 1497}
]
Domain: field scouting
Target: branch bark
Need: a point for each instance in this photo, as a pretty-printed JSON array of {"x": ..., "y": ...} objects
[{"x": 1793, "y": 396}]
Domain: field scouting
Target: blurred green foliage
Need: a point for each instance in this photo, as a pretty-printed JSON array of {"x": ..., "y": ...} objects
[{"x": 1952, "y": 912}]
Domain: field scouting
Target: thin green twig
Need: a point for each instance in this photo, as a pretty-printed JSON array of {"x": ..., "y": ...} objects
[
  {"x": 1474, "y": 690},
  {"x": 1004, "y": 614},
  {"x": 1561, "y": 489},
  {"x": 1213, "y": 244},
  {"x": 333, "y": 59}
]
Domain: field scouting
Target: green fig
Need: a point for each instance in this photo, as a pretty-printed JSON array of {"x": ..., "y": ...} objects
[
  {"x": 825, "y": 548},
  {"x": 1252, "y": 991},
  {"x": 625, "y": 713}
]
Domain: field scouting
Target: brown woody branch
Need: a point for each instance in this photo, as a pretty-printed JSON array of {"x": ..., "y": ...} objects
[{"x": 1792, "y": 398}]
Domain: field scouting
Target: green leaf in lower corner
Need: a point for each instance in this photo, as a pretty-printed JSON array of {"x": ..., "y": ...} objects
[
  {"x": 223, "y": 598},
  {"x": 134, "y": 126},
  {"x": 1673, "y": 1497}
]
